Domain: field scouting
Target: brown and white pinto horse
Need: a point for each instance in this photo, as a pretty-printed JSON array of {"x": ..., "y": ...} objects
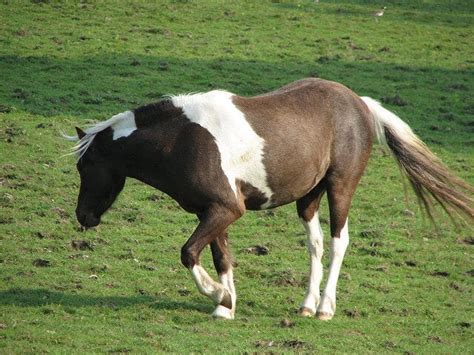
[{"x": 219, "y": 154}]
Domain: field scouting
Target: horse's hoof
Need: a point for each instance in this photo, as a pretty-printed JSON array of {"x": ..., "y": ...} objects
[
  {"x": 306, "y": 312},
  {"x": 222, "y": 312},
  {"x": 324, "y": 315}
]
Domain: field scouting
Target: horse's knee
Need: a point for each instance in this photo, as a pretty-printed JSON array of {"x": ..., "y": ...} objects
[{"x": 188, "y": 259}]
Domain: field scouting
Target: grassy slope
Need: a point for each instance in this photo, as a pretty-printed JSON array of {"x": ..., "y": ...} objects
[{"x": 404, "y": 287}]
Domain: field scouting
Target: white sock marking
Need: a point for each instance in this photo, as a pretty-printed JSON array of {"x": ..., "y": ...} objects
[
  {"x": 315, "y": 249},
  {"x": 240, "y": 147},
  {"x": 227, "y": 280},
  {"x": 337, "y": 251},
  {"x": 223, "y": 312},
  {"x": 206, "y": 285}
]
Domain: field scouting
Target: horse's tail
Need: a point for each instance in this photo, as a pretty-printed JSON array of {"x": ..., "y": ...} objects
[{"x": 430, "y": 178}]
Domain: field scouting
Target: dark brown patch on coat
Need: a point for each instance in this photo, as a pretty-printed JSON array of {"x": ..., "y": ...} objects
[
  {"x": 148, "y": 115},
  {"x": 253, "y": 197},
  {"x": 176, "y": 156}
]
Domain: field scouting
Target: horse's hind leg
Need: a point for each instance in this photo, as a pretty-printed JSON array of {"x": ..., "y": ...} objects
[
  {"x": 213, "y": 224},
  {"x": 307, "y": 208},
  {"x": 340, "y": 192},
  {"x": 223, "y": 264}
]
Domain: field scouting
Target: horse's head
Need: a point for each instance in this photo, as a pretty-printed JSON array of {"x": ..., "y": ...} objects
[{"x": 101, "y": 182}]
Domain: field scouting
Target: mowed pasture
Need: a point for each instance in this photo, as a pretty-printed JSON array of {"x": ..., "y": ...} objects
[{"x": 406, "y": 286}]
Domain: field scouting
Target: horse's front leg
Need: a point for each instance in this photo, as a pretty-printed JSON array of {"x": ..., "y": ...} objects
[
  {"x": 213, "y": 224},
  {"x": 223, "y": 264}
]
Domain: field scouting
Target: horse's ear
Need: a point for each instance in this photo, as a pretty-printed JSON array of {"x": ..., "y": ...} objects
[{"x": 80, "y": 133}]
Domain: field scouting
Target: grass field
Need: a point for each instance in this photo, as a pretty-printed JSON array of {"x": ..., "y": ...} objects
[{"x": 406, "y": 286}]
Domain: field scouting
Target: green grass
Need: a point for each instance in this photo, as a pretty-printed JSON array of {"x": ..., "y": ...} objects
[{"x": 405, "y": 287}]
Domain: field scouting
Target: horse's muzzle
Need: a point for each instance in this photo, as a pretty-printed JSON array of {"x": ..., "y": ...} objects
[{"x": 87, "y": 220}]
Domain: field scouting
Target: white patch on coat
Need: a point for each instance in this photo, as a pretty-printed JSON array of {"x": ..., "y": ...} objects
[
  {"x": 240, "y": 147},
  {"x": 122, "y": 124},
  {"x": 125, "y": 125},
  {"x": 337, "y": 250},
  {"x": 315, "y": 250}
]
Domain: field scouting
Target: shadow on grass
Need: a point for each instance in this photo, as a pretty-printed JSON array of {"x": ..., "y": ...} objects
[
  {"x": 91, "y": 85},
  {"x": 24, "y": 297}
]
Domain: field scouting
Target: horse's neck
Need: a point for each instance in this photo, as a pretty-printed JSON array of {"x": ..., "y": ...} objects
[
  {"x": 146, "y": 151},
  {"x": 143, "y": 162}
]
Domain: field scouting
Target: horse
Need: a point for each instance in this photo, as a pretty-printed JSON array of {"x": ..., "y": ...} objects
[{"x": 219, "y": 154}]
